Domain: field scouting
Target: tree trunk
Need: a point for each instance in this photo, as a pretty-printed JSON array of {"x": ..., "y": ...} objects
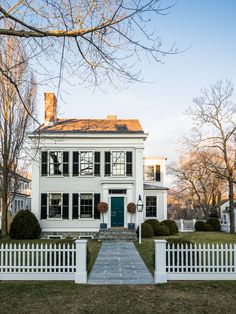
[
  {"x": 4, "y": 202},
  {"x": 231, "y": 205}
]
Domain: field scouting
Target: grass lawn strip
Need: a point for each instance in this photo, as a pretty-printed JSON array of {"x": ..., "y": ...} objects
[{"x": 68, "y": 297}]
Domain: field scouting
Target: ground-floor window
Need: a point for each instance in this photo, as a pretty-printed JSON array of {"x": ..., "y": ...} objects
[
  {"x": 151, "y": 206},
  {"x": 84, "y": 205},
  {"x": 55, "y": 205}
]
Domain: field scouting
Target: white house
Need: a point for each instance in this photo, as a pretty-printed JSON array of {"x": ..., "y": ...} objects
[
  {"x": 79, "y": 162},
  {"x": 225, "y": 216}
]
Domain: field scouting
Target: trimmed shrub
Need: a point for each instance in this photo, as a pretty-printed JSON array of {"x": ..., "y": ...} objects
[
  {"x": 215, "y": 223},
  {"x": 162, "y": 230},
  {"x": 209, "y": 227},
  {"x": 146, "y": 230},
  {"x": 171, "y": 224},
  {"x": 200, "y": 225},
  {"x": 25, "y": 226},
  {"x": 155, "y": 224}
]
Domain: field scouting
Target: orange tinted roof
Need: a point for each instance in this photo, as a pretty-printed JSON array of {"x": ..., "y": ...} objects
[{"x": 93, "y": 126}]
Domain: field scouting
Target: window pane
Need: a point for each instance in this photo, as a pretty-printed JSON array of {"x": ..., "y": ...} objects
[
  {"x": 55, "y": 205},
  {"x": 118, "y": 163},
  {"x": 151, "y": 206},
  {"x": 86, "y": 163},
  {"x": 86, "y": 205},
  {"x": 149, "y": 173},
  {"x": 55, "y": 166}
]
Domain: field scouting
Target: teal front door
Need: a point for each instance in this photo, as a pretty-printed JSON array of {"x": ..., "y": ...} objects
[{"x": 117, "y": 211}]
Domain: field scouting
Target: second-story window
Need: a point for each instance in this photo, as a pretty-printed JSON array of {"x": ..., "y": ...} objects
[
  {"x": 152, "y": 173},
  {"x": 86, "y": 163},
  {"x": 118, "y": 163},
  {"x": 55, "y": 163}
]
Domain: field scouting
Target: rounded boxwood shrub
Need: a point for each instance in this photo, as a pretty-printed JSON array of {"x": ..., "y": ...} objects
[
  {"x": 163, "y": 230},
  {"x": 146, "y": 230},
  {"x": 154, "y": 223},
  {"x": 209, "y": 227},
  {"x": 25, "y": 226},
  {"x": 215, "y": 223},
  {"x": 200, "y": 225},
  {"x": 171, "y": 224}
]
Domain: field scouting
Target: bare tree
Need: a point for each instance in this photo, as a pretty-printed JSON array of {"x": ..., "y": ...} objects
[
  {"x": 214, "y": 116},
  {"x": 195, "y": 182},
  {"x": 94, "y": 40},
  {"x": 14, "y": 121}
]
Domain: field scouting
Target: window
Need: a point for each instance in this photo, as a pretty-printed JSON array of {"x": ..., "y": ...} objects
[
  {"x": 152, "y": 173},
  {"x": 21, "y": 204},
  {"x": 118, "y": 163},
  {"x": 151, "y": 206},
  {"x": 86, "y": 163},
  {"x": 55, "y": 161},
  {"x": 54, "y": 205},
  {"x": 117, "y": 191},
  {"x": 86, "y": 205}
]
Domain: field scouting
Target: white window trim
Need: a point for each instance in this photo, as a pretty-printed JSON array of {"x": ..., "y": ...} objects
[
  {"x": 79, "y": 218},
  {"x": 48, "y": 200},
  {"x": 154, "y": 176},
  {"x": 86, "y": 176},
  {"x": 48, "y": 164},
  {"x": 151, "y": 217},
  {"x": 111, "y": 164}
]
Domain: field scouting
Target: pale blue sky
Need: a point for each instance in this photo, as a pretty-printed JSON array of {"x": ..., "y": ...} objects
[{"x": 208, "y": 27}]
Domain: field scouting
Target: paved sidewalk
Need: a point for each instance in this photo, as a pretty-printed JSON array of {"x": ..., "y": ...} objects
[{"x": 119, "y": 263}]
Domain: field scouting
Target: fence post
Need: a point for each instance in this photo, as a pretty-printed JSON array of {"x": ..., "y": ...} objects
[
  {"x": 160, "y": 275},
  {"x": 81, "y": 261},
  {"x": 194, "y": 221},
  {"x": 181, "y": 225}
]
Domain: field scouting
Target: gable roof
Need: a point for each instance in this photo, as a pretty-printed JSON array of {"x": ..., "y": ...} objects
[{"x": 119, "y": 126}]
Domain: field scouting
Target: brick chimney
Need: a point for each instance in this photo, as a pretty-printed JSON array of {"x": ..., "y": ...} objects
[
  {"x": 50, "y": 102},
  {"x": 111, "y": 117}
]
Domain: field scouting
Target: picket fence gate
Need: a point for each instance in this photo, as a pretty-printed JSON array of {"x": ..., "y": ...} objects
[
  {"x": 194, "y": 261},
  {"x": 44, "y": 261}
]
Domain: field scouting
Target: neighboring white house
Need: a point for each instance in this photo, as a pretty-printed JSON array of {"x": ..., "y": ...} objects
[
  {"x": 225, "y": 216},
  {"x": 80, "y": 162},
  {"x": 20, "y": 190}
]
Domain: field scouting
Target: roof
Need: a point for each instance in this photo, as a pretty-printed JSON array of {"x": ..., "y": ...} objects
[
  {"x": 154, "y": 187},
  {"x": 119, "y": 126}
]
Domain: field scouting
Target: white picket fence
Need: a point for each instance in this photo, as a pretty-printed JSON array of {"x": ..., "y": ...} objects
[
  {"x": 194, "y": 261},
  {"x": 44, "y": 261}
]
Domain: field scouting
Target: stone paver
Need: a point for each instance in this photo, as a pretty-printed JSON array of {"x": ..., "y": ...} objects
[{"x": 119, "y": 263}]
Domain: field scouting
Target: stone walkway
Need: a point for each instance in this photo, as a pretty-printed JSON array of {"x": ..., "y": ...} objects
[{"x": 119, "y": 263}]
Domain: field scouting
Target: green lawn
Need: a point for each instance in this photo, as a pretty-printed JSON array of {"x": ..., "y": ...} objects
[
  {"x": 146, "y": 249},
  {"x": 67, "y": 297},
  {"x": 93, "y": 246}
]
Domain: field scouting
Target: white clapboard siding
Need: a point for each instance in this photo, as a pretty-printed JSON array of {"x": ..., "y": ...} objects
[
  {"x": 44, "y": 261},
  {"x": 194, "y": 261}
]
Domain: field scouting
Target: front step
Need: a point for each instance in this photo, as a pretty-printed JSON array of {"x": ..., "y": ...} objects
[{"x": 117, "y": 235}]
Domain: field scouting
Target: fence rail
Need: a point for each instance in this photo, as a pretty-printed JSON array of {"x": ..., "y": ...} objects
[
  {"x": 186, "y": 225},
  {"x": 194, "y": 261},
  {"x": 44, "y": 261}
]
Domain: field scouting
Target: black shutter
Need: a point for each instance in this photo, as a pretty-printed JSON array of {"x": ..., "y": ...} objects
[
  {"x": 129, "y": 164},
  {"x": 44, "y": 164},
  {"x": 96, "y": 201},
  {"x": 158, "y": 173},
  {"x": 44, "y": 205},
  {"x": 97, "y": 164},
  {"x": 107, "y": 163},
  {"x": 65, "y": 206},
  {"x": 75, "y": 206},
  {"x": 75, "y": 163},
  {"x": 65, "y": 163}
]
